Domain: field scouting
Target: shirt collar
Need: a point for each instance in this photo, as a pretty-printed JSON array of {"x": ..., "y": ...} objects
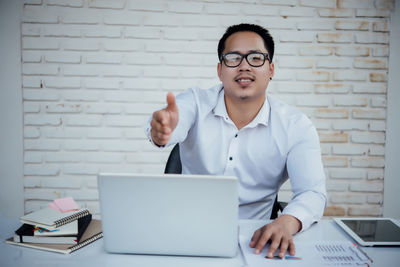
[
  {"x": 220, "y": 108},
  {"x": 261, "y": 118}
]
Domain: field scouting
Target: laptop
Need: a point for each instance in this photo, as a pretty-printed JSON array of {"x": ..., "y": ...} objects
[
  {"x": 372, "y": 231},
  {"x": 169, "y": 214}
]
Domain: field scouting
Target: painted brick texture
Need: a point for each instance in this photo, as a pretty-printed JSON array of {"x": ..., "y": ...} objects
[{"x": 93, "y": 71}]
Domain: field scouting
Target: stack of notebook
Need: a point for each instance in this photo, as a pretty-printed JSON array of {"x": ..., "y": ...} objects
[{"x": 52, "y": 230}]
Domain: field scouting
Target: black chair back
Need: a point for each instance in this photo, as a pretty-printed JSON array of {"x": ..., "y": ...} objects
[{"x": 174, "y": 165}]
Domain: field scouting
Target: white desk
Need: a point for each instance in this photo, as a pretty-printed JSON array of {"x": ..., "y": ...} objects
[
  {"x": 94, "y": 254},
  {"x": 329, "y": 230}
]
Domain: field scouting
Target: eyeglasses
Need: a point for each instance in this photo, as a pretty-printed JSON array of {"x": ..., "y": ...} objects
[{"x": 234, "y": 59}]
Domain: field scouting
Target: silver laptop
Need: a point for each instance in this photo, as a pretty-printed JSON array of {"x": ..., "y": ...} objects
[{"x": 169, "y": 214}]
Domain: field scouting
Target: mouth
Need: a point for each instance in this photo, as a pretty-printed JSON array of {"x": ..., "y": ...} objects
[{"x": 244, "y": 81}]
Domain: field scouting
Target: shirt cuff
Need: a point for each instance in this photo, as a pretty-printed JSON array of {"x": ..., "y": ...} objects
[{"x": 303, "y": 214}]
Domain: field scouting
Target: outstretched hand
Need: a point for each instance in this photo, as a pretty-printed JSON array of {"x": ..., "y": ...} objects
[{"x": 164, "y": 122}]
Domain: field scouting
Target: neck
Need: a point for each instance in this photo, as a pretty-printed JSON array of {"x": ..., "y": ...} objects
[{"x": 242, "y": 112}]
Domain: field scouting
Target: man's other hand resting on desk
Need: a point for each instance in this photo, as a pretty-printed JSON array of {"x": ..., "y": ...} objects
[{"x": 280, "y": 233}]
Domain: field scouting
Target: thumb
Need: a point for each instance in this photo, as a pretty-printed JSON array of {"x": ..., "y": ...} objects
[{"x": 171, "y": 104}]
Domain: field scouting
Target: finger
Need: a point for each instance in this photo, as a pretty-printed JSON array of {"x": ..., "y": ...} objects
[
  {"x": 161, "y": 139},
  {"x": 156, "y": 125},
  {"x": 273, "y": 247},
  {"x": 160, "y": 134},
  {"x": 292, "y": 248},
  {"x": 161, "y": 116},
  {"x": 172, "y": 107},
  {"x": 158, "y": 128},
  {"x": 266, "y": 235},
  {"x": 283, "y": 248},
  {"x": 255, "y": 237},
  {"x": 155, "y": 137}
]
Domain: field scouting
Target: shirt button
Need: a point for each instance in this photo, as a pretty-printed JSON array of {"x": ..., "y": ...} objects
[{"x": 230, "y": 158}]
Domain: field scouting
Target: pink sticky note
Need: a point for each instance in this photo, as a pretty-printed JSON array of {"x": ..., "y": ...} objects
[
  {"x": 66, "y": 204},
  {"x": 54, "y": 207}
]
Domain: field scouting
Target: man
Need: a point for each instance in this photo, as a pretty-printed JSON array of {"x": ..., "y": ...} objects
[{"x": 237, "y": 129}]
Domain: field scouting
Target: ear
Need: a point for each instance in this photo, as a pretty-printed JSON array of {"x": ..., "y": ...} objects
[
  {"x": 219, "y": 66},
  {"x": 272, "y": 69}
]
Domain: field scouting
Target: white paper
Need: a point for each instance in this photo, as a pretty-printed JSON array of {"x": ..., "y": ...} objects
[{"x": 313, "y": 253}]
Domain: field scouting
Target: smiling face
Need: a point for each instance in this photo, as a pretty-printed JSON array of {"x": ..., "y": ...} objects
[{"x": 244, "y": 82}]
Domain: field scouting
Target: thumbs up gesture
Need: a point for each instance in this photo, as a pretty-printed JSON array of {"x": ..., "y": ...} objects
[{"x": 164, "y": 121}]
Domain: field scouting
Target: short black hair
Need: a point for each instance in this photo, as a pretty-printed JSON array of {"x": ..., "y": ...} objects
[{"x": 245, "y": 27}]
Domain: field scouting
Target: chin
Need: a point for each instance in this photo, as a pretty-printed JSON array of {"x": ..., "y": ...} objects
[{"x": 244, "y": 97}]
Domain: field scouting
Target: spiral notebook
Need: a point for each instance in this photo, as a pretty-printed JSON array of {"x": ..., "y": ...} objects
[
  {"x": 92, "y": 233},
  {"x": 51, "y": 219},
  {"x": 27, "y": 233}
]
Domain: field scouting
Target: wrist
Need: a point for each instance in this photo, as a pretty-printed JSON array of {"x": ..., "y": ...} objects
[{"x": 292, "y": 223}]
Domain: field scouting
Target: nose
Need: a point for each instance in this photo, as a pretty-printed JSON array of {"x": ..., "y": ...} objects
[{"x": 244, "y": 65}]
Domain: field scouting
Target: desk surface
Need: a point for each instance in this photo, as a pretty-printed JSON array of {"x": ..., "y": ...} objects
[{"x": 94, "y": 254}]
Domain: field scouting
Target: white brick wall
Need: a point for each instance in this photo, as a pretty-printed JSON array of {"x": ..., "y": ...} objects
[{"x": 93, "y": 71}]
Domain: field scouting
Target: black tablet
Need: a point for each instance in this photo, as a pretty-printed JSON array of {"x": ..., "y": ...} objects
[{"x": 372, "y": 231}]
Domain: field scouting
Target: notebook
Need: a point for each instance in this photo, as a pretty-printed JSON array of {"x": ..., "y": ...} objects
[
  {"x": 51, "y": 219},
  {"x": 27, "y": 233},
  {"x": 169, "y": 214},
  {"x": 92, "y": 233}
]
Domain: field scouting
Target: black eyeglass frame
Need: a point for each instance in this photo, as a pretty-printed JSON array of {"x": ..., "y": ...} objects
[{"x": 266, "y": 56}]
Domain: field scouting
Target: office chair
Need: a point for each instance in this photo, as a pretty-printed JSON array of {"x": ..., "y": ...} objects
[{"x": 174, "y": 166}]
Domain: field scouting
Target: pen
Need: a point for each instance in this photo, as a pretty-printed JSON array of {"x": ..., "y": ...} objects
[
  {"x": 288, "y": 257},
  {"x": 292, "y": 258}
]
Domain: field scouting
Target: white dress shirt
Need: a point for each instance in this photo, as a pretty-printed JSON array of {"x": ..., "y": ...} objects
[{"x": 279, "y": 143}]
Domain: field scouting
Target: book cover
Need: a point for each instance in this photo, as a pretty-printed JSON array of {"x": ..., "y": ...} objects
[
  {"x": 26, "y": 233},
  {"x": 92, "y": 233},
  {"x": 51, "y": 219}
]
